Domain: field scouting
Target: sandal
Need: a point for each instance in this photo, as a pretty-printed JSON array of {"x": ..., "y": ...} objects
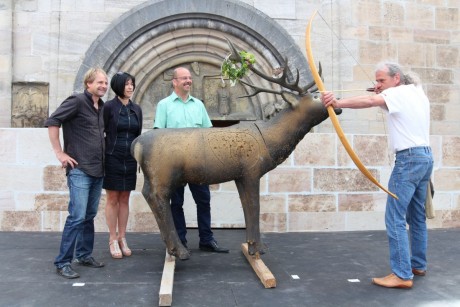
[
  {"x": 115, "y": 249},
  {"x": 124, "y": 247}
]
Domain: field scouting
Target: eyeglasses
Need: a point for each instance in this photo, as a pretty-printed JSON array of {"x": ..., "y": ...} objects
[
  {"x": 184, "y": 78},
  {"x": 120, "y": 73}
]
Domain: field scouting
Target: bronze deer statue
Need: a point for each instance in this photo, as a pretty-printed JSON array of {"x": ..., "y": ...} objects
[{"x": 243, "y": 152}]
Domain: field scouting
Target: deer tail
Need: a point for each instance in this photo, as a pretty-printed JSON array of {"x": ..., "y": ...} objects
[{"x": 136, "y": 150}]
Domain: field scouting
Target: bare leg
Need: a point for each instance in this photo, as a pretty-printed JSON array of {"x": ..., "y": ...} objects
[
  {"x": 111, "y": 213},
  {"x": 111, "y": 217},
  {"x": 123, "y": 213}
]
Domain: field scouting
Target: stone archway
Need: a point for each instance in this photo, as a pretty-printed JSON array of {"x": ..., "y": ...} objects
[{"x": 157, "y": 36}]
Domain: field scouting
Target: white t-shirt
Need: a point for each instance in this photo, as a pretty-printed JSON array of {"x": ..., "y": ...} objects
[{"x": 408, "y": 116}]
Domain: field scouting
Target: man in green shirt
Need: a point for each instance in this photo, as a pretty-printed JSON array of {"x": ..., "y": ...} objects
[{"x": 181, "y": 110}]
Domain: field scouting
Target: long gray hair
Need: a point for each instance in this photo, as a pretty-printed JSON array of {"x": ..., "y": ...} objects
[{"x": 395, "y": 68}]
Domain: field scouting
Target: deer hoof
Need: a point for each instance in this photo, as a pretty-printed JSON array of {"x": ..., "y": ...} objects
[
  {"x": 254, "y": 248},
  {"x": 181, "y": 253},
  {"x": 184, "y": 257}
]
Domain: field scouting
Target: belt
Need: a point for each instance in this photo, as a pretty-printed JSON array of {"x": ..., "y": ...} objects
[{"x": 426, "y": 149}]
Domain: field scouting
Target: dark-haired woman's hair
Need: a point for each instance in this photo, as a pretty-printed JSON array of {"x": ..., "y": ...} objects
[{"x": 118, "y": 83}]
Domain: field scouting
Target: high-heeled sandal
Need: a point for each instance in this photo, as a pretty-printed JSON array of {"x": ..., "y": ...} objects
[
  {"x": 124, "y": 247},
  {"x": 115, "y": 249}
]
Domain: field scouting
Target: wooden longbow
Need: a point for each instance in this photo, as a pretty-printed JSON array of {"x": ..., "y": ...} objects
[{"x": 333, "y": 116}]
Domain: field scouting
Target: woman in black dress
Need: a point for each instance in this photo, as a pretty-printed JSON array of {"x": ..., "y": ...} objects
[{"x": 123, "y": 123}]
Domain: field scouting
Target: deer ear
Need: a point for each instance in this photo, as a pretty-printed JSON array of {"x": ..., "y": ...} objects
[{"x": 290, "y": 98}]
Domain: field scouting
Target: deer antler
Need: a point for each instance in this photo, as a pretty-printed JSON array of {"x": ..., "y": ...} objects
[{"x": 282, "y": 81}]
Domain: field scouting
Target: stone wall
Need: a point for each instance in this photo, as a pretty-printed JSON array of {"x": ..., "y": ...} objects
[
  {"x": 46, "y": 41},
  {"x": 316, "y": 189}
]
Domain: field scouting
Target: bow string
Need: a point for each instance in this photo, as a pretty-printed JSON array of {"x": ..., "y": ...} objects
[{"x": 333, "y": 116}]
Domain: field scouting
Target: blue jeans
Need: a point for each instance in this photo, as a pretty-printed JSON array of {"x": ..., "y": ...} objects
[
  {"x": 409, "y": 181},
  {"x": 78, "y": 234},
  {"x": 202, "y": 198}
]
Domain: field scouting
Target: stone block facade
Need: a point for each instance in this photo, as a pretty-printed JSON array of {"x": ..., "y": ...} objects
[
  {"x": 317, "y": 188},
  {"x": 305, "y": 193}
]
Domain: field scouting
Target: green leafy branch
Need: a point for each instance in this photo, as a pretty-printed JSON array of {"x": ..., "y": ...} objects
[{"x": 235, "y": 70}]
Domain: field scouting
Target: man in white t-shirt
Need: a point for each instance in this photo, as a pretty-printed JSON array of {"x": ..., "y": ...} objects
[{"x": 408, "y": 116}]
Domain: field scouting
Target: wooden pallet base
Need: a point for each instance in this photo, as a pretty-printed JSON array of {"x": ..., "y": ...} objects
[
  {"x": 266, "y": 277},
  {"x": 167, "y": 281}
]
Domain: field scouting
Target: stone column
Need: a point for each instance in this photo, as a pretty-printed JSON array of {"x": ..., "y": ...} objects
[{"x": 6, "y": 60}]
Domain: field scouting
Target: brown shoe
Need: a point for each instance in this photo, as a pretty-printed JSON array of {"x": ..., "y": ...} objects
[
  {"x": 418, "y": 272},
  {"x": 393, "y": 281}
]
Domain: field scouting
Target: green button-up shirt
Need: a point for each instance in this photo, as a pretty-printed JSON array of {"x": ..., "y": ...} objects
[{"x": 172, "y": 112}]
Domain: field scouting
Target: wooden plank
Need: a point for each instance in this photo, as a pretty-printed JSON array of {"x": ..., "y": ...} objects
[
  {"x": 167, "y": 280},
  {"x": 266, "y": 277}
]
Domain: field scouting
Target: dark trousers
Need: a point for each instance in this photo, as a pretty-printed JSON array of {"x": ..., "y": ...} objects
[{"x": 202, "y": 198}]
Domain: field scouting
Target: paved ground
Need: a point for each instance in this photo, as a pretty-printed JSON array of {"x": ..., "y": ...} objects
[{"x": 334, "y": 269}]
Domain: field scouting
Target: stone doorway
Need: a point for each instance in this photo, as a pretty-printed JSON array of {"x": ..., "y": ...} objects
[{"x": 152, "y": 39}]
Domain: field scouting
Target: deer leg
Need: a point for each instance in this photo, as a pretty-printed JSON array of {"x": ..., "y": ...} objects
[
  {"x": 249, "y": 195},
  {"x": 158, "y": 201}
]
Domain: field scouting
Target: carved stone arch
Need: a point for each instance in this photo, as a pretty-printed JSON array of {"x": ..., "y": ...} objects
[{"x": 153, "y": 38}]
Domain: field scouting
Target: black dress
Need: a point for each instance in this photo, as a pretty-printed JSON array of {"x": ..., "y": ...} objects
[{"x": 120, "y": 166}]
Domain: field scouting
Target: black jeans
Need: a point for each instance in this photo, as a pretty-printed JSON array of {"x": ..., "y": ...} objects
[{"x": 202, "y": 198}]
